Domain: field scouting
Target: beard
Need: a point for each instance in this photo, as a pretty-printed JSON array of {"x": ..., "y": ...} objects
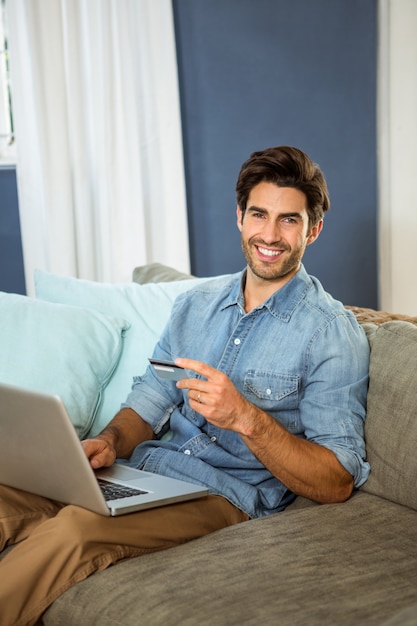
[{"x": 286, "y": 264}]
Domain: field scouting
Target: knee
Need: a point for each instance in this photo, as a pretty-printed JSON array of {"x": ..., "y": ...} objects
[{"x": 76, "y": 525}]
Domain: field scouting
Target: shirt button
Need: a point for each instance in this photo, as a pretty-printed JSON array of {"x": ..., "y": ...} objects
[
  {"x": 213, "y": 439},
  {"x": 237, "y": 342},
  {"x": 268, "y": 392},
  {"x": 187, "y": 451}
]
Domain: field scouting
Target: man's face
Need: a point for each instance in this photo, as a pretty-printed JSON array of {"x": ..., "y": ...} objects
[{"x": 275, "y": 231}]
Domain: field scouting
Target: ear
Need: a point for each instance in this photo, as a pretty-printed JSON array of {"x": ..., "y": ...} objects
[
  {"x": 239, "y": 216},
  {"x": 315, "y": 232}
]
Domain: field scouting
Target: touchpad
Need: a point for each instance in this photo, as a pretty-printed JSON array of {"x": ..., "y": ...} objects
[{"x": 121, "y": 472}]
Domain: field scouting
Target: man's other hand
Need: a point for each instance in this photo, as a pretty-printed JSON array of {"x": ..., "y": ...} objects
[{"x": 99, "y": 452}]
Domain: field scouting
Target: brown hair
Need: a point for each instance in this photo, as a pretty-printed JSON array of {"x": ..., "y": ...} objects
[{"x": 286, "y": 167}]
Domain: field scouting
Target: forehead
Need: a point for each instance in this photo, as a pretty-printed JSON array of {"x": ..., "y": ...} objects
[{"x": 271, "y": 197}]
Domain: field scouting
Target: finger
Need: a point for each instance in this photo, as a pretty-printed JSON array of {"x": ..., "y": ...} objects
[
  {"x": 98, "y": 455},
  {"x": 196, "y": 396},
  {"x": 197, "y": 366},
  {"x": 193, "y": 384},
  {"x": 102, "y": 459},
  {"x": 89, "y": 447}
]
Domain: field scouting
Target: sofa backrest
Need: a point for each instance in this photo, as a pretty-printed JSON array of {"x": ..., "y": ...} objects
[{"x": 391, "y": 421}]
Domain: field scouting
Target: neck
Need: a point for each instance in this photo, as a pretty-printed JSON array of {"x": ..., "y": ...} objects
[{"x": 258, "y": 290}]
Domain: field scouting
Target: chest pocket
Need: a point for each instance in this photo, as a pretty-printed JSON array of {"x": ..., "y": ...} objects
[{"x": 277, "y": 394}]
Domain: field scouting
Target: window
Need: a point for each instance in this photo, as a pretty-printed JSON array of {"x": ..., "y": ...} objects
[{"x": 7, "y": 147}]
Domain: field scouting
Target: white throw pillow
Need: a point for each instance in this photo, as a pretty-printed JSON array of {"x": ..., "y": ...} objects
[
  {"x": 146, "y": 307},
  {"x": 64, "y": 350}
]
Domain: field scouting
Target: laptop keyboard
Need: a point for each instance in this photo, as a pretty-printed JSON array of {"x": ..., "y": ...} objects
[{"x": 112, "y": 491}]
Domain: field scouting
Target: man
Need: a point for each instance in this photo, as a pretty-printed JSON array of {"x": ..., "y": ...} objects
[{"x": 274, "y": 404}]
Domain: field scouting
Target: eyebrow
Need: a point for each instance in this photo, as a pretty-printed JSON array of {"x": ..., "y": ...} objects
[{"x": 294, "y": 214}]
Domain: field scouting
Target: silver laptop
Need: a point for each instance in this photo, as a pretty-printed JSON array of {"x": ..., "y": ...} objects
[{"x": 41, "y": 453}]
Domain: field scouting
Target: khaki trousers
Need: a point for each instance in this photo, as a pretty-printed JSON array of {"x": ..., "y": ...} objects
[{"x": 58, "y": 546}]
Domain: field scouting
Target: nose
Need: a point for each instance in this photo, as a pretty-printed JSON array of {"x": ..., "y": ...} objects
[{"x": 271, "y": 232}]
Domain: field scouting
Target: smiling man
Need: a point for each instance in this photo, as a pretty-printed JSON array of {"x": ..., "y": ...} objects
[
  {"x": 275, "y": 231},
  {"x": 279, "y": 215},
  {"x": 273, "y": 405}
]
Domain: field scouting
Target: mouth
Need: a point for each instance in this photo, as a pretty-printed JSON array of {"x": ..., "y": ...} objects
[{"x": 268, "y": 254}]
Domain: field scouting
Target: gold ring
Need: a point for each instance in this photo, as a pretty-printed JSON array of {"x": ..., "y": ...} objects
[{"x": 198, "y": 397}]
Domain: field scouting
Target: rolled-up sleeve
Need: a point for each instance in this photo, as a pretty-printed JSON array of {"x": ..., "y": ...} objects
[
  {"x": 333, "y": 405},
  {"x": 153, "y": 398}
]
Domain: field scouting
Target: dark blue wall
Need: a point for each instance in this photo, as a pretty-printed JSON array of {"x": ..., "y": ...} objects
[
  {"x": 11, "y": 261},
  {"x": 257, "y": 73}
]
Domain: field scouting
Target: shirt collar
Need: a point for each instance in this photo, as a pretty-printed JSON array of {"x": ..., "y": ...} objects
[{"x": 282, "y": 303}]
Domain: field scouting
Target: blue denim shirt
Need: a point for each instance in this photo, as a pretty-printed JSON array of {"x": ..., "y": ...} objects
[{"x": 300, "y": 356}]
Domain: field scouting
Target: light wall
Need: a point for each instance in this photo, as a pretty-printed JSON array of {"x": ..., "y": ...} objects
[{"x": 397, "y": 138}]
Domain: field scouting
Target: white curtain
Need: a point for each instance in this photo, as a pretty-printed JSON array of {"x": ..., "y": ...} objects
[{"x": 99, "y": 150}]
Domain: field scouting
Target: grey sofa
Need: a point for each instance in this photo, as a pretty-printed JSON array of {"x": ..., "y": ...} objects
[{"x": 335, "y": 565}]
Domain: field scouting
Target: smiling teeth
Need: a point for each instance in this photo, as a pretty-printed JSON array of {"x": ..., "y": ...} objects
[{"x": 267, "y": 252}]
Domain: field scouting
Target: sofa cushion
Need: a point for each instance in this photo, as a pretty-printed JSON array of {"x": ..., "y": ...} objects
[
  {"x": 343, "y": 564},
  {"x": 391, "y": 420},
  {"x": 145, "y": 307},
  {"x": 405, "y": 617},
  {"x": 59, "y": 349}
]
